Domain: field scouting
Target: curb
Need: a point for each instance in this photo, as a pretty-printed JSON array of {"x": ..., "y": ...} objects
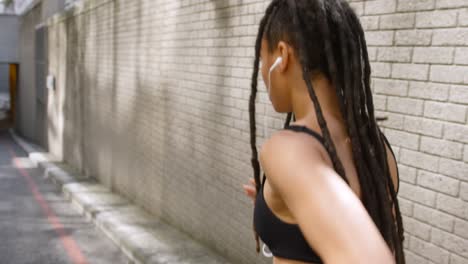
[{"x": 139, "y": 235}]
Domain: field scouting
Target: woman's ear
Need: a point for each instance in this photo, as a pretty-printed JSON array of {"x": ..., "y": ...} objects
[{"x": 283, "y": 48}]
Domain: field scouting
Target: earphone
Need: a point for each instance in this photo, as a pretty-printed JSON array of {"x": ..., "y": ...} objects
[{"x": 277, "y": 62}]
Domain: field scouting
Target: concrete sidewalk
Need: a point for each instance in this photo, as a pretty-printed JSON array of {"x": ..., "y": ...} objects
[{"x": 142, "y": 237}]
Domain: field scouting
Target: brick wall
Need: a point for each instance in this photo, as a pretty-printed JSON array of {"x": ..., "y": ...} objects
[
  {"x": 419, "y": 57},
  {"x": 152, "y": 99}
]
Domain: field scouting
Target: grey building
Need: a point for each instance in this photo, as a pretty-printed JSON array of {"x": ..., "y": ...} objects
[
  {"x": 9, "y": 26},
  {"x": 32, "y": 57}
]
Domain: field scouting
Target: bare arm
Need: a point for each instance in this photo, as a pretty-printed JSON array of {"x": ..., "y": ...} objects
[{"x": 331, "y": 217}]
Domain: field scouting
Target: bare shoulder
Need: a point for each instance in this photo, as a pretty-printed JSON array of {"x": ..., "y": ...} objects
[{"x": 286, "y": 149}]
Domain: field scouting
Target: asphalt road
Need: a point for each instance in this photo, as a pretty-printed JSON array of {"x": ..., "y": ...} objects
[{"x": 37, "y": 225}]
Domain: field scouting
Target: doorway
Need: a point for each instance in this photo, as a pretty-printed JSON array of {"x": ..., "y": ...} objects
[{"x": 8, "y": 91}]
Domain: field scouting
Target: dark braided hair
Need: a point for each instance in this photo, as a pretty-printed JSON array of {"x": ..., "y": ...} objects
[{"x": 328, "y": 38}]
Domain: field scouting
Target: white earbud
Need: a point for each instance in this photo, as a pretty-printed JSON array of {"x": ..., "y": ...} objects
[{"x": 277, "y": 62}]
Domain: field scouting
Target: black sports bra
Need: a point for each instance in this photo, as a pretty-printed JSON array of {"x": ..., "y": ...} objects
[{"x": 285, "y": 239}]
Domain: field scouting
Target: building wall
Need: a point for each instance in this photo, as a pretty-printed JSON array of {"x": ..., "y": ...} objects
[
  {"x": 419, "y": 51},
  {"x": 8, "y": 48},
  {"x": 9, "y": 40},
  {"x": 26, "y": 107},
  {"x": 152, "y": 99},
  {"x": 33, "y": 14}
]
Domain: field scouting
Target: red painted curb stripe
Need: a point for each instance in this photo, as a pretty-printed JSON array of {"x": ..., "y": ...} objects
[{"x": 72, "y": 248}]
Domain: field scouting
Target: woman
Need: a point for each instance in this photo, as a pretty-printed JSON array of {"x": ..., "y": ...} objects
[{"x": 329, "y": 190}]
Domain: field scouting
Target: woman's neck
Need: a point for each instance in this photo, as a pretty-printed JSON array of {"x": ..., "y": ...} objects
[{"x": 303, "y": 106}]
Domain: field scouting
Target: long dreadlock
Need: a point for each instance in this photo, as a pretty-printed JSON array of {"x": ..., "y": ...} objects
[{"x": 332, "y": 26}]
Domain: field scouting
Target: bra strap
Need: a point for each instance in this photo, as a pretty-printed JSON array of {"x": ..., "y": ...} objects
[{"x": 306, "y": 130}]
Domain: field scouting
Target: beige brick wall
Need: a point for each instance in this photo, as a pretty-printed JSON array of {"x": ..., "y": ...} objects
[
  {"x": 152, "y": 99},
  {"x": 418, "y": 52}
]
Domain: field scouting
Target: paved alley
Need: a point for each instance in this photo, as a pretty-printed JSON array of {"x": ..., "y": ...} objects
[{"x": 37, "y": 225}]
